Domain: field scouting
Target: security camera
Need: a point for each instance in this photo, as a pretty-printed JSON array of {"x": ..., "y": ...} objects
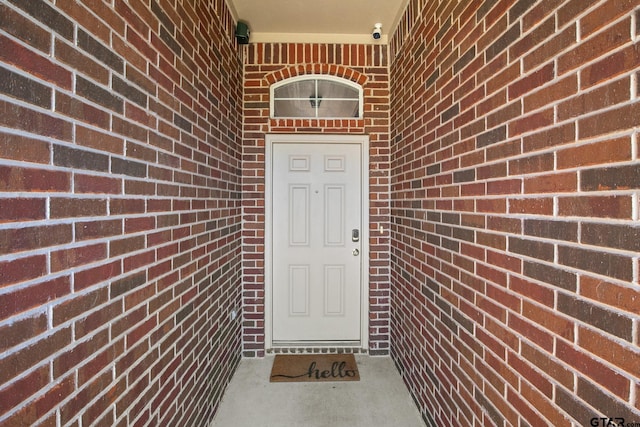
[{"x": 377, "y": 31}]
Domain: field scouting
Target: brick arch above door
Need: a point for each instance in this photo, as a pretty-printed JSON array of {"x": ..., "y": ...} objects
[{"x": 315, "y": 69}]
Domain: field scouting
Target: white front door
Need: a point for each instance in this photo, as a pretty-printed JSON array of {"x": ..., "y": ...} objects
[{"x": 316, "y": 242}]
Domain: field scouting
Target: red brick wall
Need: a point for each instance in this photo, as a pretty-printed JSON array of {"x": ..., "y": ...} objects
[
  {"x": 515, "y": 183},
  {"x": 120, "y": 216},
  {"x": 265, "y": 64}
]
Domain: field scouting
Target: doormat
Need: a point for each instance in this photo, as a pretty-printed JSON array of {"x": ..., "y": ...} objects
[{"x": 314, "y": 368}]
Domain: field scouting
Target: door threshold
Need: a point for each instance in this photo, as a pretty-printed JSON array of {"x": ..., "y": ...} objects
[{"x": 281, "y": 347}]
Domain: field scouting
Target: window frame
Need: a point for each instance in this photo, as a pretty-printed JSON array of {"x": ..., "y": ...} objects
[{"x": 316, "y": 78}]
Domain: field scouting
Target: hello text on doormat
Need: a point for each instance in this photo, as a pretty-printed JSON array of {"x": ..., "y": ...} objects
[{"x": 314, "y": 368}]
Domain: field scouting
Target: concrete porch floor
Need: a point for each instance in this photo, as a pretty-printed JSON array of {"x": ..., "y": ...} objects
[{"x": 380, "y": 398}]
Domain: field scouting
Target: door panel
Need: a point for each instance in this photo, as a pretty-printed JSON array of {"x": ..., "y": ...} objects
[
  {"x": 299, "y": 215},
  {"x": 334, "y": 231},
  {"x": 334, "y": 290},
  {"x": 299, "y": 290},
  {"x": 317, "y": 202}
]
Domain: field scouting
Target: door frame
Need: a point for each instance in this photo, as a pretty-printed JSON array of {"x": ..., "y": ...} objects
[{"x": 302, "y": 139}]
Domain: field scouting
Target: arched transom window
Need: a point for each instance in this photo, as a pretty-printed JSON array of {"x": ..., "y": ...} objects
[{"x": 314, "y": 96}]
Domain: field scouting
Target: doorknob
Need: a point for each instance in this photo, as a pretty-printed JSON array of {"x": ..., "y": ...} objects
[{"x": 356, "y": 252}]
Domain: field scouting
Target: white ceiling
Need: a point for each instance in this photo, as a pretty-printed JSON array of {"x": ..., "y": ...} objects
[{"x": 328, "y": 21}]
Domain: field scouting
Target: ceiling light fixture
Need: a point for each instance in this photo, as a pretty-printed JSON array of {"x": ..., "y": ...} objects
[{"x": 315, "y": 101}]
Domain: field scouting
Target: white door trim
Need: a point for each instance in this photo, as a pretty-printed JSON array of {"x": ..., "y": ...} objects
[{"x": 270, "y": 140}]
